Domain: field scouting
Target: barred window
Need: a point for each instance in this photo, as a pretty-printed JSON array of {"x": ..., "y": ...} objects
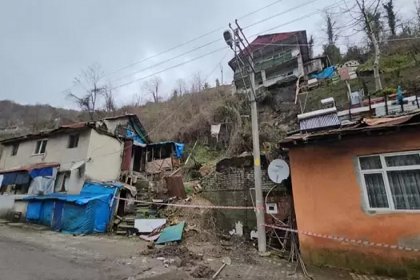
[{"x": 391, "y": 181}]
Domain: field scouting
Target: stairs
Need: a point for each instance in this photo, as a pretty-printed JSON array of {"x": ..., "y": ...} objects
[{"x": 142, "y": 211}]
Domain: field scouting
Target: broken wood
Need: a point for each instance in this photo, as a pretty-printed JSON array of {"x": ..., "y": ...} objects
[{"x": 226, "y": 261}]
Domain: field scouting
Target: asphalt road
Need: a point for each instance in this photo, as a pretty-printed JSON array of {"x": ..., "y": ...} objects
[
  {"x": 26, "y": 262},
  {"x": 28, "y": 253}
]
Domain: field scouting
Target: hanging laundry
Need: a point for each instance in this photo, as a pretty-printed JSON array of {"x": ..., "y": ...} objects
[{"x": 215, "y": 130}]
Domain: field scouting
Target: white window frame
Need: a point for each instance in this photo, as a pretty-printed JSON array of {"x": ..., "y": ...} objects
[
  {"x": 383, "y": 171},
  {"x": 40, "y": 146}
]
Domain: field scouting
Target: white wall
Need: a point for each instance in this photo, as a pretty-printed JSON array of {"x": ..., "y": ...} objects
[
  {"x": 56, "y": 151},
  {"x": 104, "y": 157}
]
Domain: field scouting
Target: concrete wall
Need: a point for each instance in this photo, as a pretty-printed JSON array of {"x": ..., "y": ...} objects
[
  {"x": 104, "y": 157},
  {"x": 233, "y": 187},
  {"x": 328, "y": 200},
  {"x": 12, "y": 203}
]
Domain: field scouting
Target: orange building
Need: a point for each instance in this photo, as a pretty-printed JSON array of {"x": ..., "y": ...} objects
[{"x": 356, "y": 194}]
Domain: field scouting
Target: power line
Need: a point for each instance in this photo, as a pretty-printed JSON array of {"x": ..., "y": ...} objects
[
  {"x": 260, "y": 9},
  {"x": 189, "y": 41},
  {"x": 182, "y": 101},
  {"x": 180, "y": 64},
  {"x": 166, "y": 60},
  {"x": 279, "y": 14},
  {"x": 217, "y": 40},
  {"x": 168, "y": 68}
]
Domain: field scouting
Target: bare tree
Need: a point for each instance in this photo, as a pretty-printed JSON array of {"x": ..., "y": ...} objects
[
  {"x": 181, "y": 86},
  {"x": 417, "y": 4},
  {"x": 311, "y": 43},
  {"x": 368, "y": 16},
  {"x": 197, "y": 82},
  {"x": 110, "y": 105},
  {"x": 152, "y": 87},
  {"x": 88, "y": 82}
]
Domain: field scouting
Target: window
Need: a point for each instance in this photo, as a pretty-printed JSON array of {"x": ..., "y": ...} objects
[
  {"x": 15, "y": 149},
  {"x": 41, "y": 146},
  {"x": 73, "y": 141},
  {"x": 391, "y": 181}
]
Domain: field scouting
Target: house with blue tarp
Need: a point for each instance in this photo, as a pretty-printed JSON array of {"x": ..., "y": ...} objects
[
  {"x": 88, "y": 212},
  {"x": 59, "y": 161}
]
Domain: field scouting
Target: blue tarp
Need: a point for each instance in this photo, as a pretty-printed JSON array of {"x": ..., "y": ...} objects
[
  {"x": 179, "y": 147},
  {"x": 132, "y": 135},
  {"x": 44, "y": 172},
  {"x": 327, "y": 73},
  {"x": 88, "y": 212},
  {"x": 179, "y": 150}
]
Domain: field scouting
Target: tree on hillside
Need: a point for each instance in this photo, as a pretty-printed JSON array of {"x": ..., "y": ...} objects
[
  {"x": 181, "y": 86},
  {"x": 311, "y": 46},
  {"x": 197, "y": 83},
  {"x": 355, "y": 53},
  {"x": 417, "y": 4},
  {"x": 391, "y": 17},
  {"x": 110, "y": 105},
  {"x": 330, "y": 49},
  {"x": 153, "y": 87},
  {"x": 88, "y": 83},
  {"x": 368, "y": 16}
]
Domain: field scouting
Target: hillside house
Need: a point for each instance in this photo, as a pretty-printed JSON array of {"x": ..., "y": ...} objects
[
  {"x": 356, "y": 192},
  {"x": 279, "y": 58},
  {"x": 60, "y": 160}
]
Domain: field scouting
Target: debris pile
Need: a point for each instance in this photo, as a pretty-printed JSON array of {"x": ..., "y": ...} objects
[{"x": 181, "y": 256}]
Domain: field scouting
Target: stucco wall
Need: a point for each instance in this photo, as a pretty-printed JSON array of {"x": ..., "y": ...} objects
[
  {"x": 328, "y": 200},
  {"x": 56, "y": 151},
  {"x": 104, "y": 157}
]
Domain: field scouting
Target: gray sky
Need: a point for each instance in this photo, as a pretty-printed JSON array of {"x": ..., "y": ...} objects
[{"x": 46, "y": 43}]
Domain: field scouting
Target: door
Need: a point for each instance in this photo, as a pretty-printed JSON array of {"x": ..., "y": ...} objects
[{"x": 58, "y": 212}]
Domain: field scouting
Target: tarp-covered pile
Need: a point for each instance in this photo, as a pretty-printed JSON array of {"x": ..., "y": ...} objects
[{"x": 88, "y": 212}]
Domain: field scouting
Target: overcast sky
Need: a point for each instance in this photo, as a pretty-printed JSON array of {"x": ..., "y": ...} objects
[{"x": 46, "y": 43}]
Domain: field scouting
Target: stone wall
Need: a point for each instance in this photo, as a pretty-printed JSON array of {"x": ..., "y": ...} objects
[{"x": 234, "y": 186}]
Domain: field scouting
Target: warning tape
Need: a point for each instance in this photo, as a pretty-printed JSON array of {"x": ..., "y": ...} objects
[
  {"x": 343, "y": 239},
  {"x": 191, "y": 205}
]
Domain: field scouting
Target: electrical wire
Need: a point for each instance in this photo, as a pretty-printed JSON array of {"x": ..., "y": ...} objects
[
  {"x": 169, "y": 68},
  {"x": 190, "y": 41},
  {"x": 182, "y": 101},
  {"x": 180, "y": 64},
  {"x": 280, "y": 14}
]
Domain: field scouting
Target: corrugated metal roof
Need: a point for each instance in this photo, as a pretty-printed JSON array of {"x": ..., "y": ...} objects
[
  {"x": 361, "y": 127},
  {"x": 319, "y": 122}
]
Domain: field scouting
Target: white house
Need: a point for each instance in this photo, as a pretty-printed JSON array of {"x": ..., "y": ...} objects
[{"x": 63, "y": 158}]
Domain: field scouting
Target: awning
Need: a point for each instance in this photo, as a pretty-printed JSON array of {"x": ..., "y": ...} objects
[{"x": 30, "y": 167}]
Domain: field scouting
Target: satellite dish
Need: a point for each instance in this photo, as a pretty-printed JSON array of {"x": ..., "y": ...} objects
[{"x": 278, "y": 170}]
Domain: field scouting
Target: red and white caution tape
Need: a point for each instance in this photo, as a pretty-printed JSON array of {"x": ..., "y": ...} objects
[
  {"x": 343, "y": 239},
  {"x": 191, "y": 205}
]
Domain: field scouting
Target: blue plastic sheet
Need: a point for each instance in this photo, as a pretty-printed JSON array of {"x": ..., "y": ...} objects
[
  {"x": 327, "y": 73},
  {"x": 179, "y": 150},
  {"x": 132, "y": 135},
  {"x": 44, "y": 172},
  {"x": 88, "y": 212}
]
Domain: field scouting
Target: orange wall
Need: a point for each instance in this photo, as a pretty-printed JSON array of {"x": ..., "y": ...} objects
[{"x": 328, "y": 200}]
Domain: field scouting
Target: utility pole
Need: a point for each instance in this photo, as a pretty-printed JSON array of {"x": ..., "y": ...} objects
[{"x": 234, "y": 43}]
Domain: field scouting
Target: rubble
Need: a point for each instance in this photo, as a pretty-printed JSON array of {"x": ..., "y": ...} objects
[{"x": 202, "y": 271}]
